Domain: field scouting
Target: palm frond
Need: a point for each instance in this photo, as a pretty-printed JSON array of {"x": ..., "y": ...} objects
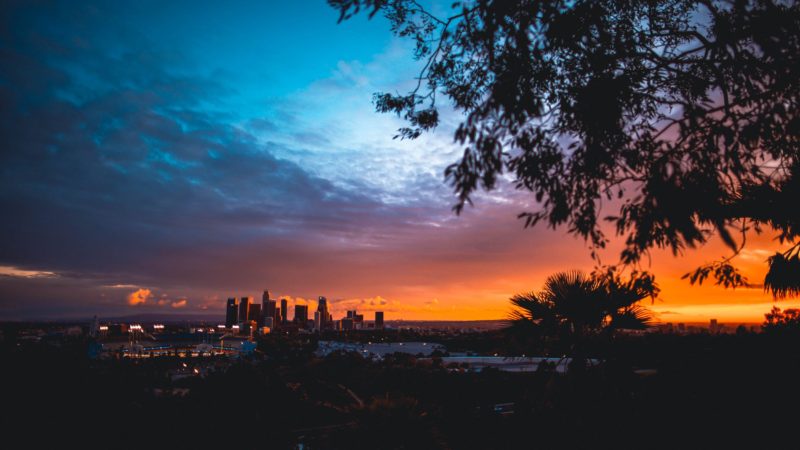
[{"x": 634, "y": 317}]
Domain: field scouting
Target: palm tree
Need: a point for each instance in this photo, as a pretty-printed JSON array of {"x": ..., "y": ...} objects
[{"x": 573, "y": 305}]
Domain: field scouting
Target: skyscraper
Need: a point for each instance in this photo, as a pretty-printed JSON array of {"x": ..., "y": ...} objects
[
  {"x": 322, "y": 309},
  {"x": 269, "y": 310},
  {"x": 244, "y": 308},
  {"x": 284, "y": 310},
  {"x": 378, "y": 320},
  {"x": 264, "y": 300},
  {"x": 301, "y": 314},
  {"x": 231, "y": 313},
  {"x": 255, "y": 314}
]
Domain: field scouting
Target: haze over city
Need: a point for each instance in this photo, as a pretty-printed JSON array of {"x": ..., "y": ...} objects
[{"x": 162, "y": 158}]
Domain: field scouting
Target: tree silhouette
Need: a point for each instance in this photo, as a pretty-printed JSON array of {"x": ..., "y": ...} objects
[
  {"x": 786, "y": 321},
  {"x": 673, "y": 120},
  {"x": 573, "y": 306}
]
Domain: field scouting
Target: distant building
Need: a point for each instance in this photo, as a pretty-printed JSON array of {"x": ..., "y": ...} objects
[
  {"x": 264, "y": 300},
  {"x": 244, "y": 308},
  {"x": 231, "y": 313},
  {"x": 284, "y": 310},
  {"x": 351, "y": 314},
  {"x": 347, "y": 323},
  {"x": 713, "y": 327},
  {"x": 255, "y": 314},
  {"x": 317, "y": 320},
  {"x": 269, "y": 310},
  {"x": 324, "y": 315},
  {"x": 301, "y": 314},
  {"x": 379, "y": 320}
]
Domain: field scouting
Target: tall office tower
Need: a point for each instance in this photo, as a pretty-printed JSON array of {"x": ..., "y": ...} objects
[
  {"x": 278, "y": 317},
  {"x": 322, "y": 309},
  {"x": 317, "y": 321},
  {"x": 351, "y": 314},
  {"x": 255, "y": 314},
  {"x": 244, "y": 308},
  {"x": 284, "y": 310},
  {"x": 301, "y": 314},
  {"x": 378, "y": 320},
  {"x": 264, "y": 301},
  {"x": 268, "y": 309},
  {"x": 231, "y": 313}
]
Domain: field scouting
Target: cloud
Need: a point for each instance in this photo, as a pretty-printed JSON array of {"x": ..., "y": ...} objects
[
  {"x": 144, "y": 296},
  {"x": 139, "y": 297},
  {"x": 179, "y": 303},
  {"x": 8, "y": 271},
  {"x": 158, "y": 174},
  {"x": 755, "y": 254}
]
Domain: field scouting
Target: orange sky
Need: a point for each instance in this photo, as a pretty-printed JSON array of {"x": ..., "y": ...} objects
[{"x": 443, "y": 287}]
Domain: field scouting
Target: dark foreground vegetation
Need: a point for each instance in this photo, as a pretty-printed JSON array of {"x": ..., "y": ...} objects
[{"x": 657, "y": 390}]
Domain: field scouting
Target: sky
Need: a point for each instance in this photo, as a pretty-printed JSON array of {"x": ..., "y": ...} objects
[{"x": 160, "y": 157}]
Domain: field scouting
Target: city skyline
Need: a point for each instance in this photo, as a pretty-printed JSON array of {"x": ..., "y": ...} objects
[
  {"x": 153, "y": 165},
  {"x": 243, "y": 315}
]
